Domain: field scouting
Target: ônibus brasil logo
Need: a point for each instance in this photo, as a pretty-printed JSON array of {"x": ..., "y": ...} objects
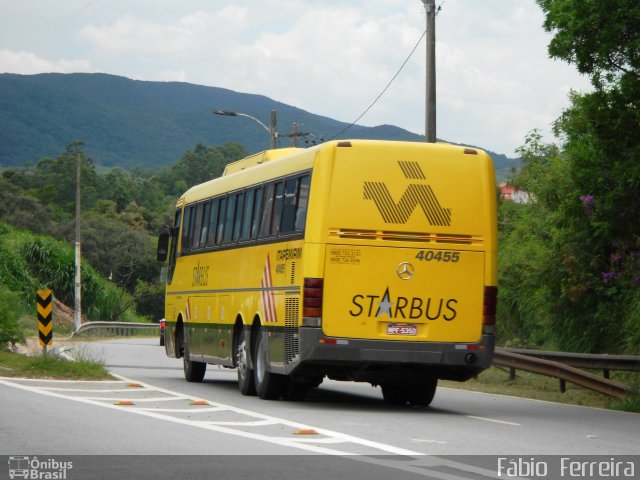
[
  {"x": 35, "y": 469},
  {"x": 416, "y": 194}
]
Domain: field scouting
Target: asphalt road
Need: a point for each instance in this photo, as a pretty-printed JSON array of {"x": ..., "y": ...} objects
[{"x": 168, "y": 416}]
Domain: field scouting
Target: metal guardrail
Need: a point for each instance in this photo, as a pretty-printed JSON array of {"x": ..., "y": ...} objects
[
  {"x": 604, "y": 362},
  {"x": 561, "y": 365},
  {"x": 563, "y": 372},
  {"x": 125, "y": 328}
]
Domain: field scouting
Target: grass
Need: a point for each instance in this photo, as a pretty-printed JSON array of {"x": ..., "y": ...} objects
[
  {"x": 530, "y": 385},
  {"x": 50, "y": 366}
]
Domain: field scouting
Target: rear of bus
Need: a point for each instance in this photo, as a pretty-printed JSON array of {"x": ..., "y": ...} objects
[{"x": 400, "y": 270}]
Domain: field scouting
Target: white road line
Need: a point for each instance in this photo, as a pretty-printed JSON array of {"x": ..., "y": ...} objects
[
  {"x": 360, "y": 441},
  {"x": 136, "y": 399},
  {"x": 125, "y": 399},
  {"x": 257, "y": 423},
  {"x": 195, "y": 409},
  {"x": 46, "y": 380},
  {"x": 421, "y": 464},
  {"x": 284, "y": 442},
  {"x": 93, "y": 390},
  {"x": 319, "y": 440},
  {"x": 493, "y": 420}
]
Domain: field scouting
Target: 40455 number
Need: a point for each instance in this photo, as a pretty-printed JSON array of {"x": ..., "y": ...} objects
[{"x": 438, "y": 256}]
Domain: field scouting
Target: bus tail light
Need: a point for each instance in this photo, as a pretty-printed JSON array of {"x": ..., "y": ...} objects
[
  {"x": 312, "y": 302},
  {"x": 489, "y": 306}
]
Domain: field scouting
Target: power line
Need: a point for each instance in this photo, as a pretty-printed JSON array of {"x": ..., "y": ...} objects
[{"x": 384, "y": 90}]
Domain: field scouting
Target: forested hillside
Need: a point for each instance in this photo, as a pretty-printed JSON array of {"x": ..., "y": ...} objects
[{"x": 130, "y": 123}]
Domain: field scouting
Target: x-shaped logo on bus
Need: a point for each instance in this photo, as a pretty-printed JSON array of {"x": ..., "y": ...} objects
[{"x": 416, "y": 194}]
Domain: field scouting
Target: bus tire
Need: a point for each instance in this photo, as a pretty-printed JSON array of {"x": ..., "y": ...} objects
[
  {"x": 394, "y": 394},
  {"x": 295, "y": 391},
  {"x": 421, "y": 395},
  {"x": 269, "y": 386},
  {"x": 193, "y": 371},
  {"x": 246, "y": 384}
]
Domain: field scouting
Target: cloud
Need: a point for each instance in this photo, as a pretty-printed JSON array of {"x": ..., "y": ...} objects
[
  {"x": 173, "y": 76},
  {"x": 131, "y": 35},
  {"x": 191, "y": 33},
  {"x": 495, "y": 81},
  {"x": 28, "y": 63},
  {"x": 326, "y": 59}
]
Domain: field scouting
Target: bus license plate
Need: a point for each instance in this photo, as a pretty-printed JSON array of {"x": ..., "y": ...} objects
[{"x": 396, "y": 329}]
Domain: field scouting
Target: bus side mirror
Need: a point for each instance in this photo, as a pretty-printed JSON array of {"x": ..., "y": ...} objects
[{"x": 163, "y": 243}]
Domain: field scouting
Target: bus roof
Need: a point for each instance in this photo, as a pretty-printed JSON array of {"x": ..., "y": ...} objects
[
  {"x": 257, "y": 159},
  {"x": 278, "y": 162}
]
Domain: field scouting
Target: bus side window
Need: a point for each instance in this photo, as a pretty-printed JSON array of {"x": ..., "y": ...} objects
[
  {"x": 186, "y": 229},
  {"x": 246, "y": 217},
  {"x": 289, "y": 210},
  {"x": 197, "y": 226},
  {"x": 174, "y": 245},
  {"x": 237, "y": 223},
  {"x": 267, "y": 211},
  {"x": 229, "y": 217},
  {"x": 205, "y": 224},
  {"x": 257, "y": 208},
  {"x": 213, "y": 222},
  {"x": 221, "y": 215},
  {"x": 277, "y": 209},
  {"x": 303, "y": 202}
]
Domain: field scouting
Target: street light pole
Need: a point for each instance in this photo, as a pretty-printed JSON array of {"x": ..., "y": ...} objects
[
  {"x": 430, "y": 105},
  {"x": 273, "y": 134},
  {"x": 77, "y": 310}
]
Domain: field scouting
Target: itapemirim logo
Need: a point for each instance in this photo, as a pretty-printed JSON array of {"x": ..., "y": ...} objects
[
  {"x": 416, "y": 194},
  {"x": 33, "y": 468}
]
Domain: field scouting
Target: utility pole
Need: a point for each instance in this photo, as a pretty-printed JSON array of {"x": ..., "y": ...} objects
[
  {"x": 295, "y": 133},
  {"x": 430, "y": 107},
  {"x": 273, "y": 132},
  {"x": 77, "y": 316}
]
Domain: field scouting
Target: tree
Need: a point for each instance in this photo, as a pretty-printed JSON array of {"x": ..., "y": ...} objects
[
  {"x": 205, "y": 163},
  {"x": 601, "y": 38},
  {"x": 587, "y": 191},
  {"x": 54, "y": 180}
]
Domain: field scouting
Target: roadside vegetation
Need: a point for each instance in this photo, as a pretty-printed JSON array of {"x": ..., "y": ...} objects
[
  {"x": 569, "y": 273},
  {"x": 121, "y": 216},
  {"x": 496, "y": 380},
  {"x": 38, "y": 366}
]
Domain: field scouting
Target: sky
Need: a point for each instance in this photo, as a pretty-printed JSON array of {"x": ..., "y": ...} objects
[{"x": 495, "y": 80}]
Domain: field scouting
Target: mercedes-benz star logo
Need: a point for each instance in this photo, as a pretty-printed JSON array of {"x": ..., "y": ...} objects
[{"x": 405, "y": 271}]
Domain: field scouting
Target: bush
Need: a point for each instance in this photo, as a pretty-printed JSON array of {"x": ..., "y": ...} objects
[
  {"x": 11, "y": 309},
  {"x": 150, "y": 300},
  {"x": 53, "y": 264}
]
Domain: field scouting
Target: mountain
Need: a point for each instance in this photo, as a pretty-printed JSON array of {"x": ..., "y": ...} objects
[{"x": 129, "y": 123}]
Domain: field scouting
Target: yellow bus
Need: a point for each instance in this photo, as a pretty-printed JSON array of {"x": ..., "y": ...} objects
[{"x": 360, "y": 260}]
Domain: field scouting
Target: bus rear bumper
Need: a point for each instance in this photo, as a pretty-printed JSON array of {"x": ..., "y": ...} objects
[{"x": 365, "y": 358}]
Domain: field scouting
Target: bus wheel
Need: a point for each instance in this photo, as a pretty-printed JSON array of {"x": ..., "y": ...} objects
[
  {"x": 394, "y": 394},
  {"x": 193, "y": 371},
  {"x": 295, "y": 391},
  {"x": 421, "y": 395},
  {"x": 269, "y": 386},
  {"x": 245, "y": 373}
]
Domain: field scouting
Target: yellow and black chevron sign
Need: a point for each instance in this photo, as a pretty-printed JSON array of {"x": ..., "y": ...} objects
[{"x": 45, "y": 317}]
